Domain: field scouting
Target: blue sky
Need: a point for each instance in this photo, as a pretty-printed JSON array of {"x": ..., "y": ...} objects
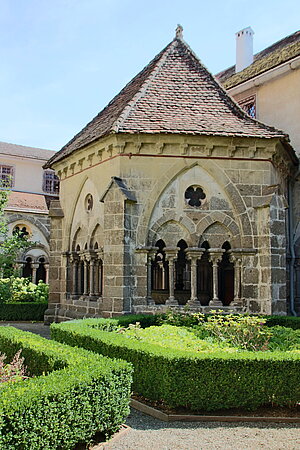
[{"x": 62, "y": 61}]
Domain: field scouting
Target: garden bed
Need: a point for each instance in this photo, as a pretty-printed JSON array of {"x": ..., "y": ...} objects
[
  {"x": 73, "y": 394},
  {"x": 207, "y": 380},
  {"x": 27, "y": 311}
]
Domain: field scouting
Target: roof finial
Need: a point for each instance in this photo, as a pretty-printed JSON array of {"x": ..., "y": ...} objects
[{"x": 179, "y": 30}]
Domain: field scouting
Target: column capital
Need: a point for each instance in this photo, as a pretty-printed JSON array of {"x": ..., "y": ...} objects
[
  {"x": 215, "y": 254},
  {"x": 194, "y": 253},
  {"x": 171, "y": 253}
]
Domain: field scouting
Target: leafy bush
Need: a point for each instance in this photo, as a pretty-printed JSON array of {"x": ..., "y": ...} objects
[
  {"x": 74, "y": 394},
  {"x": 14, "y": 371},
  {"x": 243, "y": 331},
  {"x": 14, "y": 289},
  {"x": 197, "y": 380}
]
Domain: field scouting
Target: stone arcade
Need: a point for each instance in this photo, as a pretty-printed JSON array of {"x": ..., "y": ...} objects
[{"x": 171, "y": 196}]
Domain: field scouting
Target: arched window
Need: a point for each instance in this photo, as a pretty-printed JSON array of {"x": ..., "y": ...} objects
[
  {"x": 182, "y": 272},
  {"x": 41, "y": 271},
  {"x": 204, "y": 278},
  {"x": 226, "y": 276},
  {"x": 160, "y": 273},
  {"x": 27, "y": 268}
]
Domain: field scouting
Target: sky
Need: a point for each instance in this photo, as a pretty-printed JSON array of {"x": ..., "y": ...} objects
[{"x": 62, "y": 61}]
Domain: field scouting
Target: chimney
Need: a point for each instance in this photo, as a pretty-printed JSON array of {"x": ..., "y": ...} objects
[{"x": 244, "y": 49}]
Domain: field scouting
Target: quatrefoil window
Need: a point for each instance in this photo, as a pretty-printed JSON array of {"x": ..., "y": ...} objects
[{"x": 194, "y": 196}]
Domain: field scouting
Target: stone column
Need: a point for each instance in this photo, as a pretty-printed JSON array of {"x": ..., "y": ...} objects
[
  {"x": 46, "y": 265},
  {"x": 215, "y": 255},
  {"x": 74, "y": 261},
  {"x": 85, "y": 277},
  {"x": 237, "y": 260},
  {"x": 150, "y": 257},
  {"x": 34, "y": 267},
  {"x": 193, "y": 254},
  {"x": 96, "y": 279},
  {"x": 92, "y": 277},
  {"x": 171, "y": 255}
]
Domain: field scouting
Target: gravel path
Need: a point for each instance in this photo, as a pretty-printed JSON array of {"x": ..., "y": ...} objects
[
  {"x": 147, "y": 433},
  {"x": 33, "y": 327}
]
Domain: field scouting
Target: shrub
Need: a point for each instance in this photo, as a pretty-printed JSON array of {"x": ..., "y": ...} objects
[
  {"x": 14, "y": 289},
  {"x": 203, "y": 381},
  {"x": 22, "y": 311},
  {"x": 74, "y": 394}
]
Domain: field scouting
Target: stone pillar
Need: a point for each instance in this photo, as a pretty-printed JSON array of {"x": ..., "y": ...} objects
[
  {"x": 46, "y": 265},
  {"x": 171, "y": 255},
  {"x": 215, "y": 255},
  {"x": 92, "y": 277},
  {"x": 85, "y": 277},
  {"x": 79, "y": 278},
  {"x": 34, "y": 267},
  {"x": 74, "y": 287},
  {"x": 237, "y": 261},
  {"x": 96, "y": 277},
  {"x": 193, "y": 254},
  {"x": 150, "y": 257}
]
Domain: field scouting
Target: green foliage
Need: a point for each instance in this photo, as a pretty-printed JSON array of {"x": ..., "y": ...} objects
[
  {"x": 202, "y": 380},
  {"x": 14, "y": 290},
  {"x": 22, "y": 311},
  {"x": 74, "y": 394},
  {"x": 242, "y": 331},
  {"x": 10, "y": 246}
]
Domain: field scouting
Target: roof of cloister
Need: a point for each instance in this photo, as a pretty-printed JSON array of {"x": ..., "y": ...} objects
[{"x": 173, "y": 94}]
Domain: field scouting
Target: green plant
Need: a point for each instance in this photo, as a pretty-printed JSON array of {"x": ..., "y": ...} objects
[
  {"x": 205, "y": 380},
  {"x": 22, "y": 311},
  {"x": 13, "y": 371},
  {"x": 242, "y": 331},
  {"x": 16, "y": 289},
  {"x": 73, "y": 395}
]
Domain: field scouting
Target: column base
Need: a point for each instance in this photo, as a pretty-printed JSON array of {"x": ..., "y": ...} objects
[
  {"x": 171, "y": 301},
  {"x": 193, "y": 303},
  {"x": 216, "y": 302}
]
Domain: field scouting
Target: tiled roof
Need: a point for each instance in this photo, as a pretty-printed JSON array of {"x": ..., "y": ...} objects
[
  {"x": 25, "y": 152},
  {"x": 173, "y": 94},
  {"x": 278, "y": 53},
  {"x": 26, "y": 201}
]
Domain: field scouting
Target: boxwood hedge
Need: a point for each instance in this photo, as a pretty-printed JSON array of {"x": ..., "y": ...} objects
[
  {"x": 23, "y": 311},
  {"x": 73, "y": 395},
  {"x": 202, "y": 381}
]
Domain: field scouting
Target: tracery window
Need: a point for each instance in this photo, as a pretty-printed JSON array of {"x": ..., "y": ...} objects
[
  {"x": 21, "y": 231},
  {"x": 194, "y": 196},
  {"x": 249, "y": 105}
]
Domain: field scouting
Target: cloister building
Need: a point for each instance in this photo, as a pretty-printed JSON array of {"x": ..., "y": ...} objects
[{"x": 172, "y": 196}]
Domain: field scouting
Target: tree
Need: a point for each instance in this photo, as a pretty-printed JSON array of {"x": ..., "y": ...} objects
[{"x": 10, "y": 246}]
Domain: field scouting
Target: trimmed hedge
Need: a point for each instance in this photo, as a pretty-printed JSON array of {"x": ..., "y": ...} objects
[
  {"x": 74, "y": 395},
  {"x": 203, "y": 381},
  {"x": 23, "y": 311}
]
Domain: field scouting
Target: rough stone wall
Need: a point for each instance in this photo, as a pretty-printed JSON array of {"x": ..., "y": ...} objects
[{"x": 57, "y": 271}]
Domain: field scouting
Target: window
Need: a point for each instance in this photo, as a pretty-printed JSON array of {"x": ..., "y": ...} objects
[
  {"x": 6, "y": 175},
  {"x": 249, "y": 105},
  {"x": 51, "y": 182},
  {"x": 194, "y": 196}
]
